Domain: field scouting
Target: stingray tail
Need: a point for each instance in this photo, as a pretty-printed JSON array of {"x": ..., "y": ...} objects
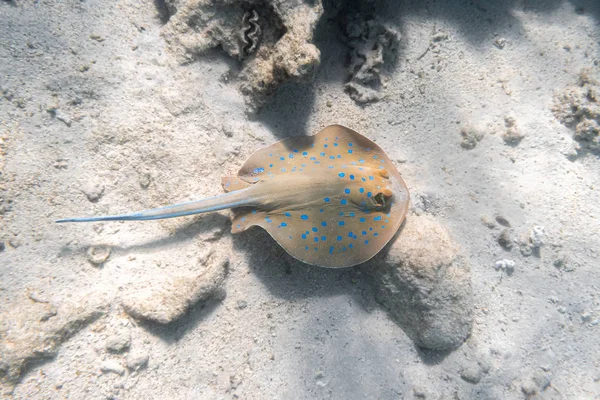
[{"x": 228, "y": 200}]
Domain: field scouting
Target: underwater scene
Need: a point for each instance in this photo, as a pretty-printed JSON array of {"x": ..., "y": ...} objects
[{"x": 300, "y": 199}]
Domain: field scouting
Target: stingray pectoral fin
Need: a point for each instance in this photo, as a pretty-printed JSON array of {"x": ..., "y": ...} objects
[
  {"x": 246, "y": 219},
  {"x": 233, "y": 183}
]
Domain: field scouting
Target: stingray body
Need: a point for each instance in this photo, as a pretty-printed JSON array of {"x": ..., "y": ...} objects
[{"x": 333, "y": 199}]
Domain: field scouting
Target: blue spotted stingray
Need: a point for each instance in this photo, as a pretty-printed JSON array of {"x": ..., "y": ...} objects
[{"x": 332, "y": 200}]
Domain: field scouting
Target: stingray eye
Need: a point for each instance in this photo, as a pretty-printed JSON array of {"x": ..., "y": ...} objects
[{"x": 382, "y": 198}]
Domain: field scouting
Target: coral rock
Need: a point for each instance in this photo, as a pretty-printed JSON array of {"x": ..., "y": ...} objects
[{"x": 425, "y": 283}]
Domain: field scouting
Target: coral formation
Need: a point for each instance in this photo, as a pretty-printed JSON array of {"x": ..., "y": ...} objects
[
  {"x": 578, "y": 107},
  {"x": 272, "y": 39},
  {"x": 372, "y": 45}
]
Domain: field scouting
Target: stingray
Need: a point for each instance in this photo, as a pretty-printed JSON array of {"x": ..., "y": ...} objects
[{"x": 332, "y": 200}]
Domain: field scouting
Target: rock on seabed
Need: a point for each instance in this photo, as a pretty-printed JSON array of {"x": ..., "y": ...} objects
[{"x": 425, "y": 283}]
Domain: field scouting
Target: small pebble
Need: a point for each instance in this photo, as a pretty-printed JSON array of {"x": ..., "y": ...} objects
[
  {"x": 505, "y": 265},
  {"x": 98, "y": 255},
  {"x": 93, "y": 193},
  {"x": 500, "y": 43},
  {"x": 2, "y": 246},
  {"x": 241, "y": 304},
  {"x": 471, "y": 374},
  {"x": 112, "y": 366},
  {"x": 320, "y": 379},
  {"x": 537, "y": 236},
  {"x": 136, "y": 362},
  {"x": 505, "y": 240}
]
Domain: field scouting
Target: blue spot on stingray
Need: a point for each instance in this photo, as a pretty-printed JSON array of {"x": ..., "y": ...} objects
[
  {"x": 341, "y": 174},
  {"x": 304, "y": 236},
  {"x": 316, "y": 239},
  {"x": 317, "y": 162},
  {"x": 343, "y": 201},
  {"x": 351, "y": 177},
  {"x": 290, "y": 237},
  {"x": 350, "y": 151},
  {"x": 313, "y": 158},
  {"x": 376, "y": 234},
  {"x": 369, "y": 194},
  {"x": 341, "y": 223},
  {"x": 323, "y": 238},
  {"x": 287, "y": 214},
  {"x": 339, "y": 238},
  {"x": 375, "y": 157},
  {"x": 341, "y": 213},
  {"x": 377, "y": 218},
  {"x": 323, "y": 223},
  {"x": 327, "y": 199},
  {"x": 331, "y": 250},
  {"x": 364, "y": 179},
  {"x": 335, "y": 144},
  {"x": 361, "y": 161},
  {"x": 304, "y": 216},
  {"x": 350, "y": 144},
  {"x": 366, "y": 242},
  {"x": 332, "y": 157},
  {"x": 295, "y": 150},
  {"x": 362, "y": 190},
  {"x": 347, "y": 191},
  {"x": 382, "y": 226},
  {"x": 306, "y": 248},
  {"x": 371, "y": 177},
  {"x": 322, "y": 154},
  {"x": 339, "y": 156},
  {"x": 350, "y": 234},
  {"x": 368, "y": 149},
  {"x": 315, "y": 229},
  {"x": 268, "y": 219},
  {"x": 382, "y": 161},
  {"x": 291, "y": 155},
  {"x": 270, "y": 154},
  {"x": 253, "y": 211},
  {"x": 238, "y": 225},
  {"x": 282, "y": 169},
  {"x": 351, "y": 214},
  {"x": 371, "y": 228},
  {"x": 283, "y": 224},
  {"x": 325, "y": 145},
  {"x": 282, "y": 158},
  {"x": 351, "y": 245},
  {"x": 364, "y": 232},
  {"x": 243, "y": 219},
  {"x": 330, "y": 167},
  {"x": 271, "y": 165},
  {"x": 316, "y": 249},
  {"x": 304, "y": 153},
  {"x": 363, "y": 220},
  {"x": 321, "y": 210},
  {"x": 344, "y": 248}
]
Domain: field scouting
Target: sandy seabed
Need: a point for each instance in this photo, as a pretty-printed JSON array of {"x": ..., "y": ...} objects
[{"x": 490, "y": 111}]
